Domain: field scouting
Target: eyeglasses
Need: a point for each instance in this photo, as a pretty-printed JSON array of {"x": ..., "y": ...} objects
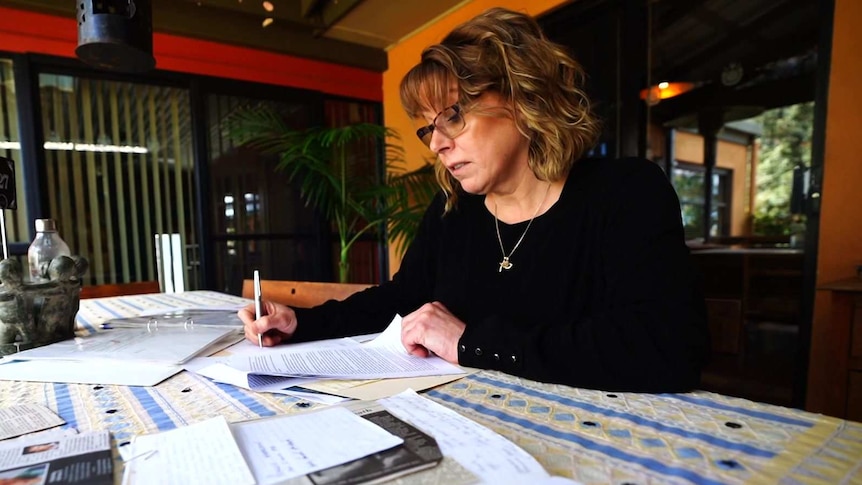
[{"x": 450, "y": 122}]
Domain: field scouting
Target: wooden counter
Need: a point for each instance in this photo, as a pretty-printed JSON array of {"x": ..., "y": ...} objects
[{"x": 835, "y": 365}]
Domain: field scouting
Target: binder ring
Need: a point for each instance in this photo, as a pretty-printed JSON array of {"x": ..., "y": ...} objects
[
  {"x": 154, "y": 322},
  {"x": 189, "y": 323}
]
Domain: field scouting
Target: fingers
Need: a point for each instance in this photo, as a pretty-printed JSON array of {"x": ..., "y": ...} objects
[
  {"x": 276, "y": 325},
  {"x": 432, "y": 329},
  {"x": 417, "y": 350}
]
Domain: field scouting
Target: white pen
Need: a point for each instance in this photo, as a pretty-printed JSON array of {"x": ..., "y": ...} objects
[{"x": 258, "y": 303}]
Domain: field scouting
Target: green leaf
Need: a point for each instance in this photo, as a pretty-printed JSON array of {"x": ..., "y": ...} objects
[{"x": 336, "y": 169}]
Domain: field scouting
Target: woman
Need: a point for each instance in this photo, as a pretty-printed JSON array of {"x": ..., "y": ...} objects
[{"x": 533, "y": 260}]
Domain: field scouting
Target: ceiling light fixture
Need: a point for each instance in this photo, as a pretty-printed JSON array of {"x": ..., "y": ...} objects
[
  {"x": 268, "y": 6},
  {"x": 664, "y": 90}
]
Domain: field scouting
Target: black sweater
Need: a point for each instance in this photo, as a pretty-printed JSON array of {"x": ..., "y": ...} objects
[{"x": 601, "y": 293}]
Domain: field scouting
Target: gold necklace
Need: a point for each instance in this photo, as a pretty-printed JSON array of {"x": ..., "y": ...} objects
[{"x": 505, "y": 263}]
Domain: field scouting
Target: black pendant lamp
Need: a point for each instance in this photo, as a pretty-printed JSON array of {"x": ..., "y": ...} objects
[{"x": 116, "y": 35}]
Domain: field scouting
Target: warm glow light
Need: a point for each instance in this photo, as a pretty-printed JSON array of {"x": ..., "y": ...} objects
[
  {"x": 268, "y": 6},
  {"x": 664, "y": 90},
  {"x": 267, "y": 21}
]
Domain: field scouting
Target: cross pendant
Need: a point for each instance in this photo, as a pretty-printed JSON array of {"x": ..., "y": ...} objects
[{"x": 505, "y": 264}]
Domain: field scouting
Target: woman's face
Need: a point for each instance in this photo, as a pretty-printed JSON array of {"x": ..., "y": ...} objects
[{"x": 490, "y": 155}]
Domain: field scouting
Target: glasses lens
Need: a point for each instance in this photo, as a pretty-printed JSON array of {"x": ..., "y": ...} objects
[
  {"x": 450, "y": 121},
  {"x": 425, "y": 133}
]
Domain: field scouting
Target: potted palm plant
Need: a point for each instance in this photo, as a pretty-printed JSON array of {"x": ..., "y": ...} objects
[{"x": 330, "y": 165}]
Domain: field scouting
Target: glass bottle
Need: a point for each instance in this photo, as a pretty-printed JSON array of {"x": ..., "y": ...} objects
[{"x": 46, "y": 246}]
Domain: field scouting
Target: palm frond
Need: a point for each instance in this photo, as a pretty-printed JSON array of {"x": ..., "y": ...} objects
[{"x": 331, "y": 166}]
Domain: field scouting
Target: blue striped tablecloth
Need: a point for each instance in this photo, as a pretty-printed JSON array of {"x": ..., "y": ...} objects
[{"x": 590, "y": 436}]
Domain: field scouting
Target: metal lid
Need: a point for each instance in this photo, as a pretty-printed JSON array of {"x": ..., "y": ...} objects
[{"x": 46, "y": 225}]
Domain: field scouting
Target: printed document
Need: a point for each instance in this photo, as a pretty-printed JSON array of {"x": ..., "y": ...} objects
[
  {"x": 26, "y": 418},
  {"x": 384, "y": 357},
  {"x": 81, "y": 458}
]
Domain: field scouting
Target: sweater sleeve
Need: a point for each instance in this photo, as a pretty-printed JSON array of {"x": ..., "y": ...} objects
[
  {"x": 372, "y": 309},
  {"x": 646, "y": 328}
]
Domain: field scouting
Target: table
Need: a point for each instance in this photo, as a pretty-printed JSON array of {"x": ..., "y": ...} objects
[{"x": 590, "y": 436}]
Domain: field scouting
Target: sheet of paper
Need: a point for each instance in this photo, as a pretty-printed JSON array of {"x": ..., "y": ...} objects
[
  {"x": 390, "y": 338},
  {"x": 112, "y": 372},
  {"x": 172, "y": 345},
  {"x": 201, "y": 453},
  {"x": 347, "y": 363},
  {"x": 290, "y": 446},
  {"x": 384, "y": 357},
  {"x": 311, "y": 396},
  {"x": 228, "y": 375},
  {"x": 372, "y": 390},
  {"x": 26, "y": 418},
  {"x": 249, "y": 348},
  {"x": 485, "y": 453}
]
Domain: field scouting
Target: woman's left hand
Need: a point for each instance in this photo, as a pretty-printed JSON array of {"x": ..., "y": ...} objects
[{"x": 432, "y": 328}]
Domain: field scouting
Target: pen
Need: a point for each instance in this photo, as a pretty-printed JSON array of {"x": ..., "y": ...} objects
[{"x": 258, "y": 301}]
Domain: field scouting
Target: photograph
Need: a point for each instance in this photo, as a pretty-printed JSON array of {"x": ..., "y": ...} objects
[
  {"x": 41, "y": 447},
  {"x": 30, "y": 475}
]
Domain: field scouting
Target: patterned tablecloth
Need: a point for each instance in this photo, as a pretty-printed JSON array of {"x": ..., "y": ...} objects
[{"x": 590, "y": 436}]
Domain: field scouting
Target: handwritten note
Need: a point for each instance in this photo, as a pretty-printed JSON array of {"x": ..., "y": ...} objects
[
  {"x": 201, "y": 453},
  {"x": 290, "y": 446},
  {"x": 485, "y": 453}
]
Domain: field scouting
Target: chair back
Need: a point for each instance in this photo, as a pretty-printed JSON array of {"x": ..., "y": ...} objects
[
  {"x": 120, "y": 289},
  {"x": 301, "y": 294}
]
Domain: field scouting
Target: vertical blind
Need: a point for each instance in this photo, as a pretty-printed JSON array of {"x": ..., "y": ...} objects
[
  {"x": 10, "y": 147},
  {"x": 119, "y": 173}
]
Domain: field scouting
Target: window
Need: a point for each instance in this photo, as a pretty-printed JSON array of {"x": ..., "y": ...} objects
[
  {"x": 688, "y": 180},
  {"x": 17, "y": 222},
  {"x": 119, "y": 171}
]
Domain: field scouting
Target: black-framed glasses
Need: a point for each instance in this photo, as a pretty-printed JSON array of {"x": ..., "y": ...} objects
[{"x": 450, "y": 122}]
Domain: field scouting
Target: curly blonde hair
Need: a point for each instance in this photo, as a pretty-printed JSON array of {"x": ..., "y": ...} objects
[{"x": 506, "y": 52}]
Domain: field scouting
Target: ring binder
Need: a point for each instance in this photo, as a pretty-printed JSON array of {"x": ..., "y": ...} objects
[{"x": 187, "y": 319}]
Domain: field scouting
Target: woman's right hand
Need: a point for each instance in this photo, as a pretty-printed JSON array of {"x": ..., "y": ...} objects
[{"x": 275, "y": 326}]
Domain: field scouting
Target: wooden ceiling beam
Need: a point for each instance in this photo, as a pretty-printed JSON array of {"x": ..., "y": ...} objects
[
  {"x": 732, "y": 38},
  {"x": 766, "y": 95}
]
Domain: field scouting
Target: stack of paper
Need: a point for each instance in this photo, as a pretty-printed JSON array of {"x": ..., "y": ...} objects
[
  {"x": 122, "y": 356},
  {"x": 399, "y": 435},
  {"x": 256, "y": 452},
  {"x": 338, "y": 367}
]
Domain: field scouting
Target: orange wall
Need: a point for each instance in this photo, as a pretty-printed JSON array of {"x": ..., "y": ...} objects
[
  {"x": 405, "y": 55},
  {"x": 840, "y": 247},
  {"x": 732, "y": 156},
  {"x": 840, "y": 243},
  {"x": 22, "y": 31}
]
